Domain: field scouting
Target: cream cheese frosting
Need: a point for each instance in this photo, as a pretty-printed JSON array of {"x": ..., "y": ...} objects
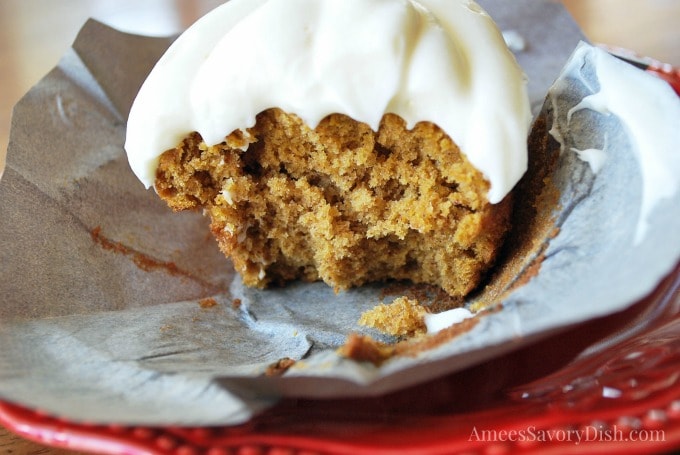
[
  {"x": 648, "y": 110},
  {"x": 436, "y": 322},
  {"x": 442, "y": 61}
]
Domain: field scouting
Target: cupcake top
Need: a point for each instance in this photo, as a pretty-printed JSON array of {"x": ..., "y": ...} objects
[{"x": 442, "y": 61}]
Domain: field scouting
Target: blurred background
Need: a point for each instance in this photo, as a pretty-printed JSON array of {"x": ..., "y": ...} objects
[{"x": 35, "y": 33}]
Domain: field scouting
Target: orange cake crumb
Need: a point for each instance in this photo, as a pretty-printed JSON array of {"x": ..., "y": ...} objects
[
  {"x": 340, "y": 203},
  {"x": 207, "y": 303},
  {"x": 402, "y": 317}
]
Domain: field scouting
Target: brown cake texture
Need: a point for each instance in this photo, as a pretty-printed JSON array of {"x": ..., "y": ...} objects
[
  {"x": 340, "y": 202},
  {"x": 400, "y": 318}
]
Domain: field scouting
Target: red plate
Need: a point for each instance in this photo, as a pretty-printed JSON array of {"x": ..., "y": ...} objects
[{"x": 610, "y": 385}]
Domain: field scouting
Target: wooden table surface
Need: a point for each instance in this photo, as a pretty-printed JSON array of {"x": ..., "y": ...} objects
[{"x": 35, "y": 33}]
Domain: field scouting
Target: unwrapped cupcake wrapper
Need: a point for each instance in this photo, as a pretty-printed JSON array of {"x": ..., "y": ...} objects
[{"x": 115, "y": 309}]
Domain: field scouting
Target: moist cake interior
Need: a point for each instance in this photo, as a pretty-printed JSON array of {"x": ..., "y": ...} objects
[{"x": 340, "y": 202}]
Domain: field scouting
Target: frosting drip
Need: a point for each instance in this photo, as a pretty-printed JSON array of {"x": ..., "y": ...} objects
[
  {"x": 436, "y": 322},
  {"x": 649, "y": 111},
  {"x": 441, "y": 61}
]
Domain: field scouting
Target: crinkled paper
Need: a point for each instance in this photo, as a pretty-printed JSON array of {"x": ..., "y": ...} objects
[{"x": 103, "y": 310}]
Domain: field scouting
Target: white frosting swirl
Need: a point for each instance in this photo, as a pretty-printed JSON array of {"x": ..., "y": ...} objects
[{"x": 442, "y": 61}]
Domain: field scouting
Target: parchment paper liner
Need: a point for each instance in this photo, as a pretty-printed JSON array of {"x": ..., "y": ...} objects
[{"x": 100, "y": 318}]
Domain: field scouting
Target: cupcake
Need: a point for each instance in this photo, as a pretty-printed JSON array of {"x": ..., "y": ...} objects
[{"x": 347, "y": 141}]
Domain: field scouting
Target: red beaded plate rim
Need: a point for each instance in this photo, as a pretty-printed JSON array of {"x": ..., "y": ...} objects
[{"x": 610, "y": 385}]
